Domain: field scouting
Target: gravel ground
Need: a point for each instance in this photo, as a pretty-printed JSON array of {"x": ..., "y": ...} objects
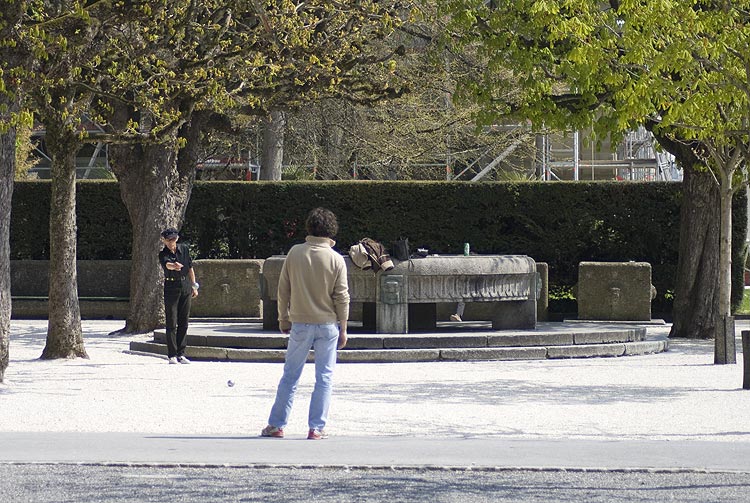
[{"x": 679, "y": 394}]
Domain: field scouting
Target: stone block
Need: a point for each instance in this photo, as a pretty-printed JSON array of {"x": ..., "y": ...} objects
[
  {"x": 615, "y": 291},
  {"x": 228, "y": 288},
  {"x": 540, "y": 339},
  {"x": 389, "y": 355},
  {"x": 514, "y": 314},
  {"x": 148, "y": 347},
  {"x": 249, "y": 341},
  {"x": 364, "y": 341},
  {"x": 434, "y": 341},
  {"x": 258, "y": 355},
  {"x": 586, "y": 351},
  {"x": 493, "y": 354},
  {"x": 206, "y": 353},
  {"x": 391, "y": 308},
  {"x": 646, "y": 347},
  {"x": 608, "y": 336}
]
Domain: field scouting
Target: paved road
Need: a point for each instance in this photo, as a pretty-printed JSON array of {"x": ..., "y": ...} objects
[
  {"x": 101, "y": 484},
  {"x": 405, "y": 452}
]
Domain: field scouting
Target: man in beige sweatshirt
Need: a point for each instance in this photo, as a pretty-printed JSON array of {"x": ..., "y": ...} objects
[{"x": 313, "y": 299}]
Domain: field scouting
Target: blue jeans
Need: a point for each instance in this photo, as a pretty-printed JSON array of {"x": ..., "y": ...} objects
[{"x": 303, "y": 336}]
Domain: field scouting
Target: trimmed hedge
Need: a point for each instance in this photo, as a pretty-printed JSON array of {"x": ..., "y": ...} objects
[
  {"x": 560, "y": 223},
  {"x": 104, "y": 230}
]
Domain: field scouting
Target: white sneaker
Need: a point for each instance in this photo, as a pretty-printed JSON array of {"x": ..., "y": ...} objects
[
  {"x": 182, "y": 359},
  {"x": 172, "y": 360},
  {"x": 455, "y": 317}
]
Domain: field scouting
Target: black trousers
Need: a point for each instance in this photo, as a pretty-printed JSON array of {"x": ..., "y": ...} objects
[{"x": 177, "y": 309}]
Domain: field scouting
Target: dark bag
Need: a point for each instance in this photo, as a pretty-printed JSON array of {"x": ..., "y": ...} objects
[{"x": 401, "y": 249}]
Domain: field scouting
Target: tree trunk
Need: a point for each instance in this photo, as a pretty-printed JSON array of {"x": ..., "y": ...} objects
[
  {"x": 155, "y": 185},
  {"x": 273, "y": 146},
  {"x": 7, "y": 171},
  {"x": 12, "y": 56},
  {"x": 64, "y": 335},
  {"x": 728, "y": 163},
  {"x": 335, "y": 158},
  {"x": 143, "y": 173},
  {"x": 696, "y": 297},
  {"x": 724, "y": 348},
  {"x": 696, "y": 304}
]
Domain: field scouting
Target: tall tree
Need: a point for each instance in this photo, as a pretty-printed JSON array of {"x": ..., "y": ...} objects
[
  {"x": 223, "y": 56},
  {"x": 11, "y": 59},
  {"x": 681, "y": 66},
  {"x": 67, "y": 39},
  {"x": 52, "y": 39}
]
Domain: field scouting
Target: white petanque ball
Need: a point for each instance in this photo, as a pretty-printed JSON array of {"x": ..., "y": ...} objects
[{"x": 230, "y": 383}]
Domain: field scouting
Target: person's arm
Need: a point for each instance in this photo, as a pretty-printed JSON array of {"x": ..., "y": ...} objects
[
  {"x": 191, "y": 275},
  {"x": 342, "y": 334},
  {"x": 283, "y": 294},
  {"x": 167, "y": 264},
  {"x": 341, "y": 300}
]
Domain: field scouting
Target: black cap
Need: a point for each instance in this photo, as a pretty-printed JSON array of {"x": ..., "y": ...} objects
[{"x": 169, "y": 233}]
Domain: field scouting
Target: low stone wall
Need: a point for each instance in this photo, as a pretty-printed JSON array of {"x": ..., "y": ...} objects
[
  {"x": 96, "y": 278},
  {"x": 103, "y": 288},
  {"x": 228, "y": 288}
]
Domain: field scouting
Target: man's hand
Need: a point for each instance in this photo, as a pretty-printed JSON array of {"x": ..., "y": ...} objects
[
  {"x": 195, "y": 292},
  {"x": 342, "y": 339},
  {"x": 174, "y": 266}
]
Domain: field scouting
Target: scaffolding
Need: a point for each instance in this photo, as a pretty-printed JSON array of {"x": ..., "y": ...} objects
[
  {"x": 92, "y": 160},
  {"x": 636, "y": 158}
]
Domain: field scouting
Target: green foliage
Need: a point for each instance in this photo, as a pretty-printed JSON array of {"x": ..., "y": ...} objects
[
  {"x": 558, "y": 223},
  {"x": 744, "y": 307},
  {"x": 163, "y": 59},
  {"x": 682, "y": 64},
  {"x": 24, "y": 147}
]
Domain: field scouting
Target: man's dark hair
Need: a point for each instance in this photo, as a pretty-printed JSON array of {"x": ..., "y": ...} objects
[{"x": 322, "y": 223}]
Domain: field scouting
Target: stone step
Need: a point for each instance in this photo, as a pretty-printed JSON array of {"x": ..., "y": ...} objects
[
  {"x": 246, "y": 341},
  {"x": 211, "y": 353},
  {"x": 256, "y": 339}
]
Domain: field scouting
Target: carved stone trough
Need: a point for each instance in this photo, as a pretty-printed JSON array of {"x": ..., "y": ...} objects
[{"x": 405, "y": 298}]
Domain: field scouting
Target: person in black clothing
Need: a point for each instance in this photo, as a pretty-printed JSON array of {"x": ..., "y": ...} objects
[{"x": 179, "y": 288}]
